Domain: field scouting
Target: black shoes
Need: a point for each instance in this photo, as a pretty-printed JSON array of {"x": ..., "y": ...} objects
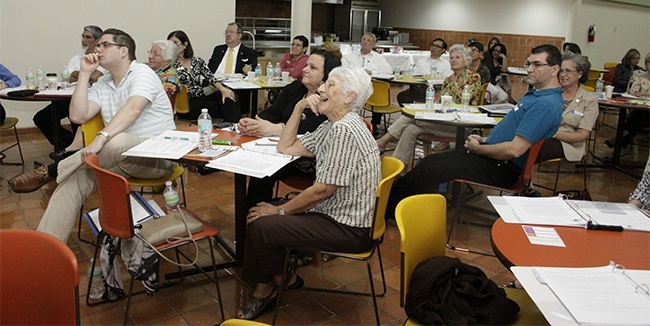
[{"x": 60, "y": 155}]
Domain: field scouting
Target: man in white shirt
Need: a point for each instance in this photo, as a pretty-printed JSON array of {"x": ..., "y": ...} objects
[
  {"x": 425, "y": 66},
  {"x": 133, "y": 105},
  {"x": 372, "y": 62},
  {"x": 43, "y": 118}
]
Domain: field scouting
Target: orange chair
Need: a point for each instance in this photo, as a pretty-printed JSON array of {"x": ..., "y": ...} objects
[
  {"x": 521, "y": 186},
  {"x": 40, "y": 280},
  {"x": 116, "y": 220},
  {"x": 608, "y": 77}
]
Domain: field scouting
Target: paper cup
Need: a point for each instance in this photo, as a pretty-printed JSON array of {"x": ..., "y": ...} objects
[
  {"x": 250, "y": 76},
  {"x": 609, "y": 89},
  {"x": 446, "y": 101},
  {"x": 285, "y": 76}
]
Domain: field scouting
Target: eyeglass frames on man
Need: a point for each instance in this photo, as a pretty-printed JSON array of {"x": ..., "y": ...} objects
[
  {"x": 106, "y": 44},
  {"x": 535, "y": 64}
]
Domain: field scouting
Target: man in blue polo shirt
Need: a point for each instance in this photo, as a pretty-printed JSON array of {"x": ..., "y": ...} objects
[{"x": 497, "y": 159}]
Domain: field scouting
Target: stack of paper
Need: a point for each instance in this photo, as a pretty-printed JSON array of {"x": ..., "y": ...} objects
[
  {"x": 171, "y": 144},
  {"x": 239, "y": 84},
  {"x": 256, "y": 159}
]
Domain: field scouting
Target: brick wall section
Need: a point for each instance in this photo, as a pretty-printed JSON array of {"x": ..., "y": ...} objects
[{"x": 518, "y": 46}]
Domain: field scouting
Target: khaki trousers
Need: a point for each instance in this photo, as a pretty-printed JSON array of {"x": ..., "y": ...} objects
[
  {"x": 77, "y": 181},
  {"x": 407, "y": 130}
]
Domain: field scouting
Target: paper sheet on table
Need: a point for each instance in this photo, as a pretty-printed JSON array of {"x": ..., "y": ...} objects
[
  {"x": 544, "y": 236},
  {"x": 382, "y": 76},
  {"x": 171, "y": 144},
  {"x": 251, "y": 163},
  {"x": 239, "y": 84},
  {"x": 55, "y": 92},
  {"x": 600, "y": 295}
]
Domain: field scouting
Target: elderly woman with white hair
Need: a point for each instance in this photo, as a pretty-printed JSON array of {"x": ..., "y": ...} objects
[
  {"x": 336, "y": 212},
  {"x": 161, "y": 59},
  {"x": 406, "y": 130}
]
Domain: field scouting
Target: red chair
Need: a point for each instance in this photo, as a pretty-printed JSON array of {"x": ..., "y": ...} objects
[
  {"x": 116, "y": 220},
  {"x": 520, "y": 187},
  {"x": 39, "y": 279}
]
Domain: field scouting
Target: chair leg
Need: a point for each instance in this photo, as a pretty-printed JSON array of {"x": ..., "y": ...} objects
[
  {"x": 128, "y": 301},
  {"x": 216, "y": 280},
  {"x": 81, "y": 214},
  {"x": 372, "y": 290},
  {"x": 557, "y": 177},
  {"x": 20, "y": 150},
  {"x": 289, "y": 267},
  {"x": 456, "y": 219}
]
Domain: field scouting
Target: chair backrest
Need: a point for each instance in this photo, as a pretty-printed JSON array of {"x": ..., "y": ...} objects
[
  {"x": 114, "y": 200},
  {"x": 390, "y": 168},
  {"x": 588, "y": 88},
  {"x": 421, "y": 220},
  {"x": 182, "y": 104},
  {"x": 527, "y": 173},
  {"x": 90, "y": 128},
  {"x": 481, "y": 99},
  {"x": 608, "y": 77},
  {"x": 40, "y": 280},
  {"x": 380, "y": 94}
]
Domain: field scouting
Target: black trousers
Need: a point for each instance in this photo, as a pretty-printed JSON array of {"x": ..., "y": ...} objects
[
  {"x": 635, "y": 122},
  {"x": 269, "y": 237},
  {"x": 552, "y": 148},
  {"x": 261, "y": 190},
  {"x": 229, "y": 111},
  {"x": 43, "y": 120},
  {"x": 435, "y": 169}
]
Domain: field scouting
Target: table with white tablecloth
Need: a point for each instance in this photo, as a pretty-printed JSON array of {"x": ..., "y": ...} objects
[{"x": 405, "y": 59}]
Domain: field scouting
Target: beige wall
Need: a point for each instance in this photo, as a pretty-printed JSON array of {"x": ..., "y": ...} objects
[{"x": 47, "y": 32}]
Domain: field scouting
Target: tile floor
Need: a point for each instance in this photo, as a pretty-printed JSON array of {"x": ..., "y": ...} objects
[{"x": 211, "y": 197}]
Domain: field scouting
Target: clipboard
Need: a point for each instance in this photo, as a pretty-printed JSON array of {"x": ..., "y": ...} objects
[{"x": 141, "y": 211}]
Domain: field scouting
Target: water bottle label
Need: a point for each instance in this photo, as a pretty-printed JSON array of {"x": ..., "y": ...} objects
[
  {"x": 430, "y": 94},
  {"x": 205, "y": 125},
  {"x": 171, "y": 199}
]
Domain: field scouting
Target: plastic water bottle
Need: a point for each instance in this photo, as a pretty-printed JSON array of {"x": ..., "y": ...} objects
[
  {"x": 30, "y": 79},
  {"x": 464, "y": 99},
  {"x": 599, "y": 85},
  {"x": 277, "y": 72},
  {"x": 258, "y": 70},
  {"x": 65, "y": 78},
  {"x": 430, "y": 96},
  {"x": 97, "y": 284},
  {"x": 40, "y": 78},
  {"x": 411, "y": 71},
  {"x": 269, "y": 73},
  {"x": 205, "y": 131},
  {"x": 171, "y": 197}
]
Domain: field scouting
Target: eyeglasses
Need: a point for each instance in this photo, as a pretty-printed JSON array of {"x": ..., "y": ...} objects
[
  {"x": 535, "y": 64},
  {"x": 106, "y": 44},
  {"x": 230, "y": 32},
  {"x": 437, "y": 46},
  {"x": 296, "y": 44},
  {"x": 475, "y": 50},
  {"x": 567, "y": 71},
  {"x": 155, "y": 54}
]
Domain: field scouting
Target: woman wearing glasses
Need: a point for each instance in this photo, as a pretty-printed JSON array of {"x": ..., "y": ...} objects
[
  {"x": 296, "y": 59},
  {"x": 161, "y": 59},
  {"x": 579, "y": 112},
  {"x": 495, "y": 59},
  {"x": 204, "y": 90}
]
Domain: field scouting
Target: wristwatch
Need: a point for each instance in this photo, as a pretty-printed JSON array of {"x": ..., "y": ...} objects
[
  {"x": 105, "y": 134},
  {"x": 281, "y": 210}
]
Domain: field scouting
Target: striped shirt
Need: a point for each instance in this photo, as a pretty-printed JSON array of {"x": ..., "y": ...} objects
[
  {"x": 139, "y": 80},
  {"x": 346, "y": 156}
]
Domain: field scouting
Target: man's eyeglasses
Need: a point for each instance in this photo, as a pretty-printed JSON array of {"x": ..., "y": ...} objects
[
  {"x": 230, "y": 32},
  {"x": 106, "y": 44},
  {"x": 535, "y": 64},
  {"x": 296, "y": 44},
  {"x": 437, "y": 46}
]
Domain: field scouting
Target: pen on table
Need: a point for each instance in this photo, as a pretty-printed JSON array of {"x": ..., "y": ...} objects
[
  {"x": 263, "y": 144},
  {"x": 221, "y": 142}
]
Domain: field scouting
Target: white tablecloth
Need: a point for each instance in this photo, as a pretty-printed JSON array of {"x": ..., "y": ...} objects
[{"x": 405, "y": 59}]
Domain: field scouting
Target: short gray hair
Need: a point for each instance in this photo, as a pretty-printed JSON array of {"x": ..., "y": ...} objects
[
  {"x": 371, "y": 35},
  {"x": 582, "y": 65},
  {"x": 354, "y": 80},
  {"x": 169, "y": 49},
  {"x": 97, "y": 32},
  {"x": 467, "y": 53}
]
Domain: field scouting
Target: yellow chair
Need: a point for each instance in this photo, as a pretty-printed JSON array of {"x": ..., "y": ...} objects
[
  {"x": 89, "y": 131},
  {"x": 390, "y": 168},
  {"x": 484, "y": 93},
  {"x": 421, "y": 220},
  {"x": 379, "y": 101},
  {"x": 182, "y": 102},
  {"x": 242, "y": 322},
  {"x": 588, "y": 88},
  {"x": 9, "y": 123}
]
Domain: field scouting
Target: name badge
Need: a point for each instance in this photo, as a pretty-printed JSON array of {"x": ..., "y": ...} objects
[{"x": 578, "y": 113}]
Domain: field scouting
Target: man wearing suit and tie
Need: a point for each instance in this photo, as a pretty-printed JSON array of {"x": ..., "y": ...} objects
[{"x": 233, "y": 57}]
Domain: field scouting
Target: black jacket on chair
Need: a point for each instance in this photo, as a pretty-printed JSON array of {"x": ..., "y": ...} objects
[
  {"x": 245, "y": 56},
  {"x": 446, "y": 291}
]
